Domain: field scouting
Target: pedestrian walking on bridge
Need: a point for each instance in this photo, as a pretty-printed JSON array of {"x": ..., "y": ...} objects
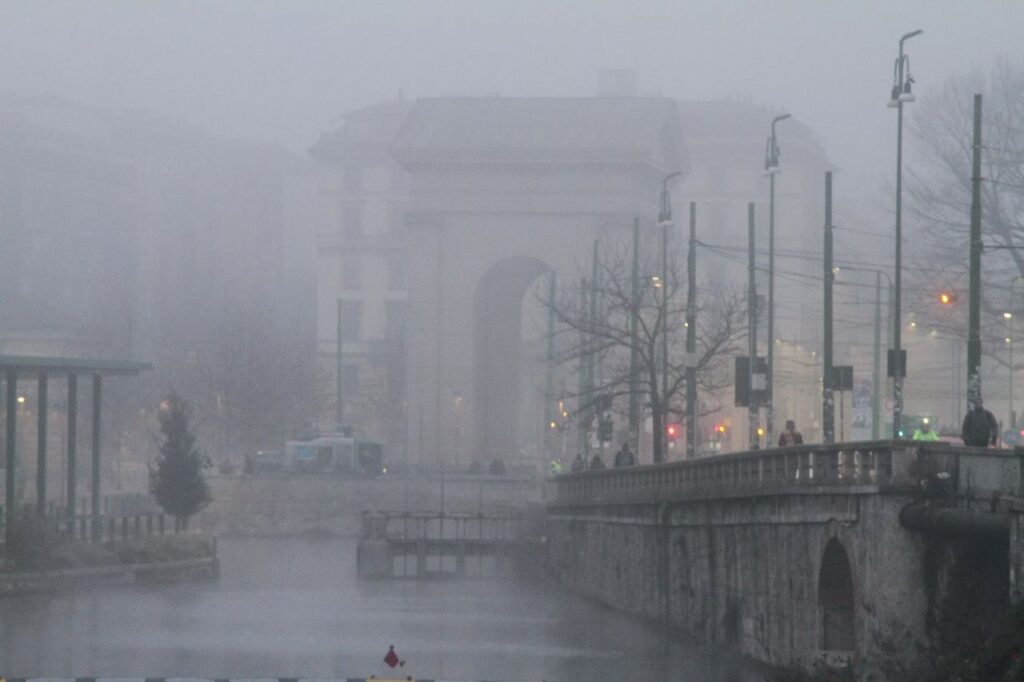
[
  {"x": 980, "y": 428},
  {"x": 790, "y": 436},
  {"x": 624, "y": 457}
]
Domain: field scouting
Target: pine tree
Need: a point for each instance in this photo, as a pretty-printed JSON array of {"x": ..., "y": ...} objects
[{"x": 178, "y": 483}]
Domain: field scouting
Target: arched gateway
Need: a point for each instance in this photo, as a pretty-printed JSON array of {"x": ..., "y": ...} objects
[{"x": 502, "y": 190}]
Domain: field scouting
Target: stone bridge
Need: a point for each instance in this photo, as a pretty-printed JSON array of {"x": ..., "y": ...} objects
[{"x": 871, "y": 552}]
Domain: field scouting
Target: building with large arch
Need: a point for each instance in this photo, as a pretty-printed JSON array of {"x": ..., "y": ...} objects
[{"x": 472, "y": 200}]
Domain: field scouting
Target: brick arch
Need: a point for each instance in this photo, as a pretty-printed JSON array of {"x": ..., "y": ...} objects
[
  {"x": 836, "y": 599},
  {"x": 497, "y": 335}
]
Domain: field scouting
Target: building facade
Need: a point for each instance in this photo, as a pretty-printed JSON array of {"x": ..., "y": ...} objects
[{"x": 492, "y": 194}]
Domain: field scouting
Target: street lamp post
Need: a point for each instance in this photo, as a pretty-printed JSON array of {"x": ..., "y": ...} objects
[
  {"x": 1009, "y": 315},
  {"x": 1012, "y": 422},
  {"x": 665, "y": 220},
  {"x": 771, "y": 169},
  {"x": 901, "y": 93}
]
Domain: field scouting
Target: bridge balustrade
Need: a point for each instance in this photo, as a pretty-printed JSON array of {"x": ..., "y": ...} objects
[
  {"x": 843, "y": 464},
  {"x": 979, "y": 472}
]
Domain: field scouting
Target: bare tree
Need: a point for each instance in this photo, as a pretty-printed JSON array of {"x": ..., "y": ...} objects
[
  {"x": 939, "y": 201},
  {"x": 609, "y": 324}
]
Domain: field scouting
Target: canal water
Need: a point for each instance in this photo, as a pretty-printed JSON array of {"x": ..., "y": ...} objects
[{"x": 294, "y": 608}]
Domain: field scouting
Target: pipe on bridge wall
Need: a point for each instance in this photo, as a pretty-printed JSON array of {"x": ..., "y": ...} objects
[{"x": 954, "y": 522}]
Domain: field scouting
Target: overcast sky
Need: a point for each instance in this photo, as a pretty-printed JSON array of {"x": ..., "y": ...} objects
[{"x": 282, "y": 71}]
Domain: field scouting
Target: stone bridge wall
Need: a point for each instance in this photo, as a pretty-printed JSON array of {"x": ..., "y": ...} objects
[{"x": 731, "y": 549}]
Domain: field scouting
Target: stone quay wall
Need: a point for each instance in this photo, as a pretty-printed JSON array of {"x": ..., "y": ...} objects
[{"x": 732, "y": 550}]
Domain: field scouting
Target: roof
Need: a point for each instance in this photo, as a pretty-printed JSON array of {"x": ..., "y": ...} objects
[
  {"x": 536, "y": 129},
  {"x": 32, "y": 364}
]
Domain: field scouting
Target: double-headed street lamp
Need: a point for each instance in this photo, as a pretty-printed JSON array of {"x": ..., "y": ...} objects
[
  {"x": 665, "y": 220},
  {"x": 901, "y": 93},
  {"x": 771, "y": 169}
]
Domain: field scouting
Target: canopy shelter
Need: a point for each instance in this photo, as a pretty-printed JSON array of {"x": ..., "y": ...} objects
[{"x": 42, "y": 369}]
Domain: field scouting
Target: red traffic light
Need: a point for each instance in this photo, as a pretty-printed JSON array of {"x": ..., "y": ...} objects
[{"x": 671, "y": 431}]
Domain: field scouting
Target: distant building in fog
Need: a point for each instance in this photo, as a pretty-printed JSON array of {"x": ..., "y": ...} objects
[
  {"x": 362, "y": 264},
  {"x": 129, "y": 234},
  {"x": 486, "y": 168}
]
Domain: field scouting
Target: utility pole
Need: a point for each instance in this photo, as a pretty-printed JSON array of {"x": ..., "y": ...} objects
[
  {"x": 974, "y": 307},
  {"x": 549, "y": 368},
  {"x": 691, "y": 338},
  {"x": 771, "y": 166},
  {"x": 339, "y": 408},
  {"x": 752, "y": 419},
  {"x": 634, "y": 361},
  {"x": 876, "y": 376},
  {"x": 664, "y": 339},
  {"x": 827, "y": 399},
  {"x": 592, "y": 368}
]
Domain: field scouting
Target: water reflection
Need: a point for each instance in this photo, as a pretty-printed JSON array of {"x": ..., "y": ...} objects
[{"x": 294, "y": 608}]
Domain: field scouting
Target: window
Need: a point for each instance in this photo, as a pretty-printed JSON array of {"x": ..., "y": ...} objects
[
  {"x": 351, "y": 321},
  {"x": 353, "y": 178},
  {"x": 394, "y": 320},
  {"x": 352, "y": 219},
  {"x": 396, "y": 273},
  {"x": 351, "y": 273}
]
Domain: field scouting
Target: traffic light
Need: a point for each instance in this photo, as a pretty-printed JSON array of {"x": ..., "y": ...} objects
[{"x": 671, "y": 432}]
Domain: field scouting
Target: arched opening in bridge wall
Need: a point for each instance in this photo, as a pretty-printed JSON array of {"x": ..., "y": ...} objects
[
  {"x": 835, "y": 599},
  {"x": 499, "y": 374}
]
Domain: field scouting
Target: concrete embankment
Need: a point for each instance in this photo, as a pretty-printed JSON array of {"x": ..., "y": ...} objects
[
  {"x": 296, "y": 504},
  {"x": 162, "y": 559}
]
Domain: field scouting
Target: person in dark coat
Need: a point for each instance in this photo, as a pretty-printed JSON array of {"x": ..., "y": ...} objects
[
  {"x": 980, "y": 427},
  {"x": 790, "y": 436},
  {"x": 596, "y": 463},
  {"x": 624, "y": 457}
]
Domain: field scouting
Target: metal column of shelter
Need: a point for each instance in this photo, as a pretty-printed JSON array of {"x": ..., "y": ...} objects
[
  {"x": 71, "y": 501},
  {"x": 41, "y": 410},
  {"x": 11, "y": 405},
  {"x": 97, "y": 400},
  {"x": 13, "y": 367}
]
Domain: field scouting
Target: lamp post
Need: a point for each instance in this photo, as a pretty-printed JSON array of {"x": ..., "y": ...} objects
[
  {"x": 1012, "y": 422},
  {"x": 665, "y": 220},
  {"x": 1009, "y": 315},
  {"x": 771, "y": 169},
  {"x": 901, "y": 93}
]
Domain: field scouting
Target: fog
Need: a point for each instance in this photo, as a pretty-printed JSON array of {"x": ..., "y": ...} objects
[
  {"x": 394, "y": 256},
  {"x": 282, "y": 71}
]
